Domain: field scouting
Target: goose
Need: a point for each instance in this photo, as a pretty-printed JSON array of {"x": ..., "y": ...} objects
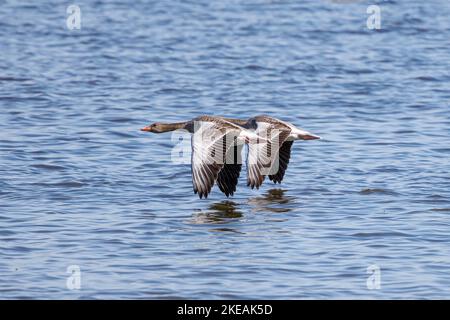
[
  {"x": 279, "y": 136},
  {"x": 216, "y": 146}
]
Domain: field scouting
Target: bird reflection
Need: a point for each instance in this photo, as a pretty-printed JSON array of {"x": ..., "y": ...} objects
[
  {"x": 274, "y": 200},
  {"x": 218, "y": 213},
  {"x": 223, "y": 212}
]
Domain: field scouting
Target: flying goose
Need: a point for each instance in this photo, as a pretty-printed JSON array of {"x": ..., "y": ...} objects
[
  {"x": 271, "y": 157},
  {"x": 216, "y": 149}
]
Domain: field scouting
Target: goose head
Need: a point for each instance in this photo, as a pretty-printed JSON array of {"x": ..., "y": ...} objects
[{"x": 156, "y": 127}]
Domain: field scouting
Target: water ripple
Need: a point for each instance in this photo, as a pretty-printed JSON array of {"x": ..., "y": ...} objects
[{"x": 80, "y": 185}]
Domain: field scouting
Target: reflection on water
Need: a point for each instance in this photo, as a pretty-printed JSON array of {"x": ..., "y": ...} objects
[
  {"x": 223, "y": 212},
  {"x": 274, "y": 200},
  {"x": 80, "y": 184},
  {"x": 217, "y": 213}
]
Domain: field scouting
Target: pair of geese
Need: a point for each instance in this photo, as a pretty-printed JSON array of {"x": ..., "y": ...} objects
[{"x": 217, "y": 144}]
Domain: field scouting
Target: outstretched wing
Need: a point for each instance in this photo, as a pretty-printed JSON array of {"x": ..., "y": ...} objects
[
  {"x": 229, "y": 175},
  {"x": 210, "y": 145},
  {"x": 263, "y": 157},
  {"x": 284, "y": 155}
]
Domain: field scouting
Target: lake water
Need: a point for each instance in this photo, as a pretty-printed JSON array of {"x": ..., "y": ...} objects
[{"x": 82, "y": 189}]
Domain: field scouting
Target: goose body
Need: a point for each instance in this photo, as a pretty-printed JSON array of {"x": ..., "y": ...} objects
[
  {"x": 271, "y": 157},
  {"x": 216, "y": 151}
]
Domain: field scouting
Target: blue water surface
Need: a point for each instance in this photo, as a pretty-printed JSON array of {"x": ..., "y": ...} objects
[{"x": 81, "y": 186}]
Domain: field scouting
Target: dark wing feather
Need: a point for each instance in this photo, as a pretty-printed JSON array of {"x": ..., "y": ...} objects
[
  {"x": 209, "y": 147},
  {"x": 229, "y": 175},
  {"x": 262, "y": 158},
  {"x": 284, "y": 156}
]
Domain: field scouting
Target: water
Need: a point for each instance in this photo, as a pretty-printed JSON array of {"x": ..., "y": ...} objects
[{"x": 81, "y": 185}]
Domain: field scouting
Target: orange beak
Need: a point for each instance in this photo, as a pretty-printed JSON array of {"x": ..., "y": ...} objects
[{"x": 147, "y": 128}]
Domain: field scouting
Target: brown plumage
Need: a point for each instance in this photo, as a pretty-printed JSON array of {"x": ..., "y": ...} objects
[
  {"x": 216, "y": 151},
  {"x": 270, "y": 158}
]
